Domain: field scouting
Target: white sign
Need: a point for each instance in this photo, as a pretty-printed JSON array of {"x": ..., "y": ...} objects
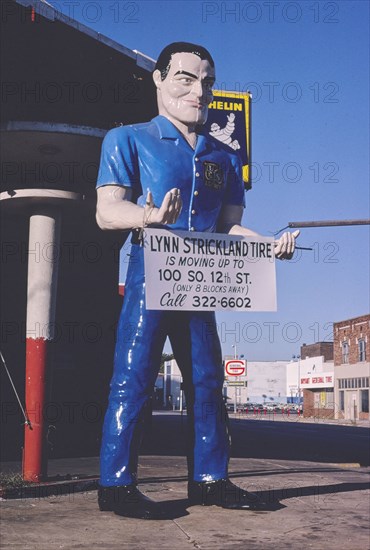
[
  {"x": 235, "y": 367},
  {"x": 208, "y": 271},
  {"x": 323, "y": 380}
]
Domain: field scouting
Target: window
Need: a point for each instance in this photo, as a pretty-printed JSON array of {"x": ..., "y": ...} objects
[
  {"x": 352, "y": 383},
  {"x": 362, "y": 350},
  {"x": 341, "y": 400},
  {"x": 365, "y": 401},
  {"x": 324, "y": 399},
  {"x": 345, "y": 352},
  {"x": 329, "y": 398}
]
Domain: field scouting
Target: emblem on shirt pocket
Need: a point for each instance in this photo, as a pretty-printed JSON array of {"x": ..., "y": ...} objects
[{"x": 213, "y": 175}]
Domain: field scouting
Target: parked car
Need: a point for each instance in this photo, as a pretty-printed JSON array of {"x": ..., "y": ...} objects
[
  {"x": 251, "y": 407},
  {"x": 241, "y": 407},
  {"x": 273, "y": 407},
  {"x": 291, "y": 408}
]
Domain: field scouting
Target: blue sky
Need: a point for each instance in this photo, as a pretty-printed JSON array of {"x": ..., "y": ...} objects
[{"x": 307, "y": 65}]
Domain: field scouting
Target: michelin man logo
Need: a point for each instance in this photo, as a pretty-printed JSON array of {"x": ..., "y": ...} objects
[{"x": 224, "y": 134}]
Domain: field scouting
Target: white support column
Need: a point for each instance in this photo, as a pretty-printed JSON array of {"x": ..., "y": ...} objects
[{"x": 44, "y": 241}]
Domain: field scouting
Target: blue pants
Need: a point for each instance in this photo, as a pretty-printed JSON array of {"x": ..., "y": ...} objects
[{"x": 196, "y": 347}]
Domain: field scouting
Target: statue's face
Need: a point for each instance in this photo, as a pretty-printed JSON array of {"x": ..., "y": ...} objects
[{"x": 185, "y": 93}]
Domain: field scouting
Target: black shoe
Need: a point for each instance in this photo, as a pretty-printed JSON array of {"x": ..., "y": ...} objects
[
  {"x": 225, "y": 494},
  {"x": 128, "y": 501}
]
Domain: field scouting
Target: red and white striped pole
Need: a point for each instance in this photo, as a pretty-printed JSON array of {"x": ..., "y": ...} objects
[{"x": 43, "y": 255}]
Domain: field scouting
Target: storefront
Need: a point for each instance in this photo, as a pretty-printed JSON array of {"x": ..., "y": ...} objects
[
  {"x": 352, "y": 392},
  {"x": 312, "y": 379},
  {"x": 352, "y": 368}
]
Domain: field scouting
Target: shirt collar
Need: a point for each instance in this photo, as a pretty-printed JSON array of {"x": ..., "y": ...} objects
[{"x": 166, "y": 129}]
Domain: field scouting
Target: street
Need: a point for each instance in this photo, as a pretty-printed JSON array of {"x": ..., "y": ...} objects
[{"x": 287, "y": 439}]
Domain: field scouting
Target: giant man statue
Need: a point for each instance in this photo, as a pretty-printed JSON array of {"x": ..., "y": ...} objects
[{"x": 167, "y": 173}]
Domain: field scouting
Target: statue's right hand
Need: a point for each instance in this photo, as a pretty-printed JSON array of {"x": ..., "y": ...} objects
[{"x": 169, "y": 210}]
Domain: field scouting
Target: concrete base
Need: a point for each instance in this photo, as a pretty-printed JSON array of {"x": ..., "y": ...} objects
[{"x": 323, "y": 506}]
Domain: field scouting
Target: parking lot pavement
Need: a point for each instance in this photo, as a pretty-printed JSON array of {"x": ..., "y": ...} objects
[
  {"x": 279, "y": 416},
  {"x": 322, "y": 505}
]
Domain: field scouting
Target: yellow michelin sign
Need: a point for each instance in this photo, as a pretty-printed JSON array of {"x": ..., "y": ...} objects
[{"x": 229, "y": 121}]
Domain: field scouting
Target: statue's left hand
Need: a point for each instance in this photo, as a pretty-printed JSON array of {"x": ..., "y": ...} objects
[
  {"x": 284, "y": 247},
  {"x": 167, "y": 212}
]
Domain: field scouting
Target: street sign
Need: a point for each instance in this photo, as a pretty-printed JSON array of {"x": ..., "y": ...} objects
[
  {"x": 235, "y": 367},
  {"x": 238, "y": 383}
]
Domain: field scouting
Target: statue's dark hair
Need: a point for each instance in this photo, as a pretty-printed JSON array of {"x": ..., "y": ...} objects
[{"x": 164, "y": 60}]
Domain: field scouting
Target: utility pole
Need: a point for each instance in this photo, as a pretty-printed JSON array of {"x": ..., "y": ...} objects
[{"x": 235, "y": 396}]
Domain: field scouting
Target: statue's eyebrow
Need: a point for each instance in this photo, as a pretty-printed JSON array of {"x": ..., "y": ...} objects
[{"x": 187, "y": 74}]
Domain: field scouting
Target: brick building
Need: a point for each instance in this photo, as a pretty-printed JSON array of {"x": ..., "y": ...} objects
[
  {"x": 352, "y": 368},
  {"x": 318, "y": 349}
]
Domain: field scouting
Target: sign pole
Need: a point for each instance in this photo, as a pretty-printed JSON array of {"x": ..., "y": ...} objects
[{"x": 235, "y": 357}]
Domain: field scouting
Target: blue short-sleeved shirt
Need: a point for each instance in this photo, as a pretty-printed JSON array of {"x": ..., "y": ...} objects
[{"x": 155, "y": 156}]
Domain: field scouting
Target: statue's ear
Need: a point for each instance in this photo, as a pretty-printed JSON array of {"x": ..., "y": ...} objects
[{"x": 157, "y": 78}]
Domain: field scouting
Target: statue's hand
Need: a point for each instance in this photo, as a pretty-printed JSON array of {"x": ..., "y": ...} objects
[
  {"x": 284, "y": 247},
  {"x": 167, "y": 213}
]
